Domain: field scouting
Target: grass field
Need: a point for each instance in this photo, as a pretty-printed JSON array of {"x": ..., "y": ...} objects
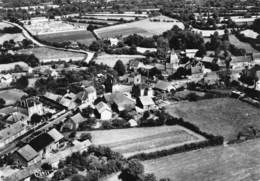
[
  {"x": 84, "y": 37},
  {"x": 233, "y": 163},
  {"x": 143, "y": 27},
  {"x": 6, "y": 37},
  {"x": 224, "y": 116},
  {"x": 137, "y": 140},
  {"x": 110, "y": 60},
  {"x": 233, "y": 39},
  {"x": 47, "y": 54}
]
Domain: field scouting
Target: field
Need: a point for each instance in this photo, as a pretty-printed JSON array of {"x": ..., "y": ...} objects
[
  {"x": 137, "y": 140},
  {"x": 84, "y": 37},
  {"x": 110, "y": 60},
  {"x": 6, "y": 37},
  {"x": 11, "y": 96},
  {"x": 47, "y": 54},
  {"x": 232, "y": 163},
  {"x": 233, "y": 39},
  {"x": 143, "y": 27},
  {"x": 224, "y": 116}
]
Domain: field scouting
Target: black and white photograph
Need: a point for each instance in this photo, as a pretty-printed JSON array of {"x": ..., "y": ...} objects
[{"x": 129, "y": 90}]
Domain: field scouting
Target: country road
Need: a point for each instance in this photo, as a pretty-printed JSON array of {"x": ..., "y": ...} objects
[{"x": 27, "y": 35}]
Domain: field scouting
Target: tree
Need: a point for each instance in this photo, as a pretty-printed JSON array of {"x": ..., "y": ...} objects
[
  {"x": 2, "y": 102},
  {"x": 35, "y": 119},
  {"x": 133, "y": 171},
  {"x": 91, "y": 28},
  {"x": 46, "y": 166},
  {"x": 256, "y": 25},
  {"x": 22, "y": 83},
  {"x": 120, "y": 68}
]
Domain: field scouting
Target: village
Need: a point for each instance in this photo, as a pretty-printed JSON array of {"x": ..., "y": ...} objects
[{"x": 111, "y": 87}]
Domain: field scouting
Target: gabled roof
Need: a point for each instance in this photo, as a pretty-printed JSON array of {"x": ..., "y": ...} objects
[
  {"x": 27, "y": 152},
  {"x": 78, "y": 118},
  {"x": 207, "y": 59},
  {"x": 146, "y": 101},
  {"x": 163, "y": 85},
  {"x": 241, "y": 59},
  {"x": 52, "y": 96},
  {"x": 101, "y": 107},
  {"x": 41, "y": 142},
  {"x": 256, "y": 56},
  {"x": 56, "y": 135},
  {"x": 121, "y": 100}
]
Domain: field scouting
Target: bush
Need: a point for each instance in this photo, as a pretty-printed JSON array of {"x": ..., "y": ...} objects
[
  {"x": 85, "y": 136},
  {"x": 46, "y": 166},
  {"x": 107, "y": 125}
]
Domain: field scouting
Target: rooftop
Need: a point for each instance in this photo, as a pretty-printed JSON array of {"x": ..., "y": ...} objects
[
  {"x": 41, "y": 142},
  {"x": 56, "y": 135},
  {"x": 27, "y": 152}
]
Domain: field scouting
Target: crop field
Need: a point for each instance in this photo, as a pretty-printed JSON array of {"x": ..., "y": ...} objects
[
  {"x": 110, "y": 60},
  {"x": 144, "y": 27},
  {"x": 230, "y": 163},
  {"x": 84, "y": 37},
  {"x": 137, "y": 140},
  {"x": 234, "y": 40},
  {"x": 47, "y": 54},
  {"x": 224, "y": 116},
  {"x": 6, "y": 37}
]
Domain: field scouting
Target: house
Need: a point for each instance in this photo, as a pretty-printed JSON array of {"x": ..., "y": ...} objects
[
  {"x": 6, "y": 79},
  {"x": 191, "y": 52},
  {"x": 73, "y": 122},
  {"x": 132, "y": 123},
  {"x": 113, "y": 41},
  {"x": 104, "y": 111},
  {"x": 163, "y": 86},
  {"x": 52, "y": 96},
  {"x": 239, "y": 62},
  {"x": 26, "y": 156},
  {"x": 88, "y": 95},
  {"x": 12, "y": 132},
  {"x": 38, "y": 148},
  {"x": 68, "y": 100},
  {"x": 121, "y": 102},
  {"x": 145, "y": 102}
]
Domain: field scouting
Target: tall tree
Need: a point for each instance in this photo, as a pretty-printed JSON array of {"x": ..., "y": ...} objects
[{"x": 120, "y": 68}]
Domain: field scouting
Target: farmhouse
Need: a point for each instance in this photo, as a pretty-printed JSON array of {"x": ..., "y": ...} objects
[
  {"x": 88, "y": 95},
  {"x": 104, "y": 111},
  {"x": 73, "y": 122},
  {"x": 250, "y": 34},
  {"x": 145, "y": 102},
  {"x": 68, "y": 100},
  {"x": 256, "y": 58}
]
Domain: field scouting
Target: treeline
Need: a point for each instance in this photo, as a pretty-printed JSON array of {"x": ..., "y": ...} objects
[
  {"x": 11, "y": 30},
  {"x": 31, "y": 60}
]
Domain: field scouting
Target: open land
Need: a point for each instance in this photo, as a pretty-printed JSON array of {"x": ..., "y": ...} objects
[
  {"x": 235, "y": 162},
  {"x": 234, "y": 40},
  {"x": 224, "y": 163},
  {"x": 83, "y": 36},
  {"x": 110, "y": 60},
  {"x": 47, "y": 54},
  {"x": 139, "y": 140},
  {"x": 144, "y": 27},
  {"x": 11, "y": 96},
  {"x": 224, "y": 116}
]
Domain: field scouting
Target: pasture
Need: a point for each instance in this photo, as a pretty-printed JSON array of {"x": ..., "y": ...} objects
[
  {"x": 48, "y": 54},
  {"x": 145, "y": 27},
  {"x": 137, "y": 140},
  {"x": 110, "y": 60},
  {"x": 83, "y": 36},
  {"x": 230, "y": 163},
  {"x": 224, "y": 116}
]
